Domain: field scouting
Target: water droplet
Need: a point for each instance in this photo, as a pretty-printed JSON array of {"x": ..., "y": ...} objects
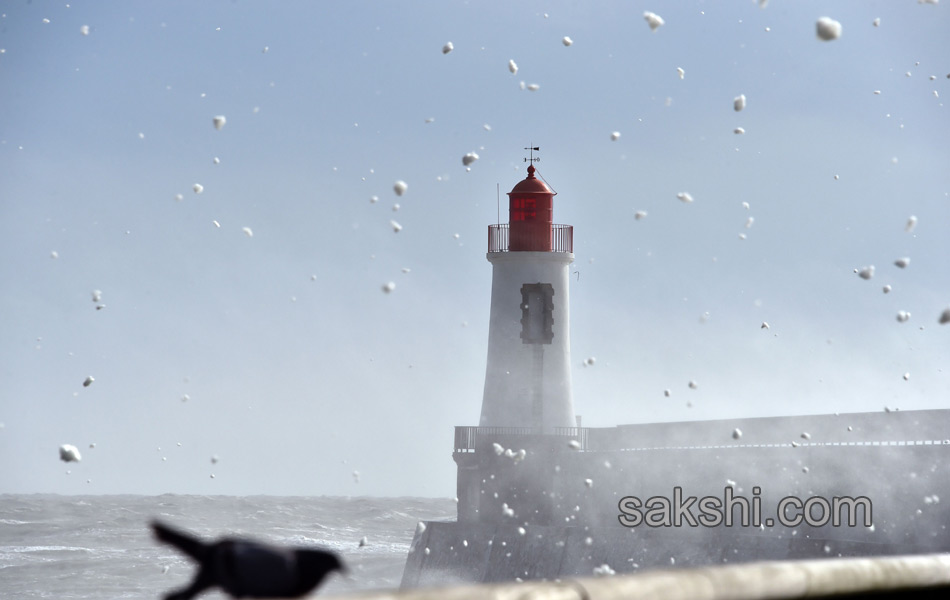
[
  {"x": 654, "y": 20},
  {"x": 69, "y": 453},
  {"x": 827, "y": 29}
]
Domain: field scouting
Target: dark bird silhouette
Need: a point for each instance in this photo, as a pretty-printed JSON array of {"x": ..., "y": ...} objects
[{"x": 249, "y": 569}]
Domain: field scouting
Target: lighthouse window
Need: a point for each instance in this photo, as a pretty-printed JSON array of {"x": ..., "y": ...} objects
[
  {"x": 537, "y": 313},
  {"x": 523, "y": 209}
]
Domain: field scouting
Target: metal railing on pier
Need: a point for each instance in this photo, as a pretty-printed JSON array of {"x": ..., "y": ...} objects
[
  {"x": 916, "y": 576},
  {"x": 465, "y": 435}
]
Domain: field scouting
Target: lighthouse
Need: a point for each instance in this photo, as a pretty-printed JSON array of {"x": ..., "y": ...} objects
[{"x": 528, "y": 374}]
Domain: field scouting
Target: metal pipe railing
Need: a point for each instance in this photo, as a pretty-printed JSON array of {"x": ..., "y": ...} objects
[
  {"x": 465, "y": 434},
  {"x": 916, "y": 576}
]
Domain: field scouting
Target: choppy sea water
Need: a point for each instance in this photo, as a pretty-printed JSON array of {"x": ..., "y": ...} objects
[{"x": 97, "y": 547}]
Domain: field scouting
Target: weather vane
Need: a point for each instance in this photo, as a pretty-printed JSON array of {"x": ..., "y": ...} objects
[{"x": 532, "y": 150}]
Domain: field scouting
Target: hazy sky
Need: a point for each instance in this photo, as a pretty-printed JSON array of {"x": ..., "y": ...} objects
[{"x": 297, "y": 369}]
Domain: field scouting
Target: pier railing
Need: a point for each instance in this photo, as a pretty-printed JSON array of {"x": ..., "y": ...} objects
[
  {"x": 562, "y": 238},
  {"x": 916, "y": 576},
  {"x": 465, "y": 435}
]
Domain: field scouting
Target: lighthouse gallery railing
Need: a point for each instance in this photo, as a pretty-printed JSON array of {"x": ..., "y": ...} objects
[{"x": 562, "y": 238}]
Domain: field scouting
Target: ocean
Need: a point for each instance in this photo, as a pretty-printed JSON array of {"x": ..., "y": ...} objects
[{"x": 100, "y": 547}]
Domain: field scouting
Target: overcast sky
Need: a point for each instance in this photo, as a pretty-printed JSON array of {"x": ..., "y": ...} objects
[{"x": 279, "y": 352}]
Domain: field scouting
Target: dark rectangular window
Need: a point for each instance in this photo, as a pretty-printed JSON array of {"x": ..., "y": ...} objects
[{"x": 537, "y": 313}]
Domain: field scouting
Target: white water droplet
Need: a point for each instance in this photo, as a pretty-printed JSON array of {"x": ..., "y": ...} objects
[
  {"x": 654, "y": 20},
  {"x": 567, "y": 41},
  {"x": 69, "y": 453},
  {"x": 512, "y": 66},
  {"x": 827, "y": 29},
  {"x": 400, "y": 187},
  {"x": 685, "y": 197},
  {"x": 738, "y": 103},
  {"x": 219, "y": 122}
]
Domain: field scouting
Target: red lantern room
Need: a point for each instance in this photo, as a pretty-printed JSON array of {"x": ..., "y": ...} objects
[{"x": 530, "y": 215}]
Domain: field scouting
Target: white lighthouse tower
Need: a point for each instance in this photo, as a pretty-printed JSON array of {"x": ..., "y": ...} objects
[{"x": 528, "y": 378}]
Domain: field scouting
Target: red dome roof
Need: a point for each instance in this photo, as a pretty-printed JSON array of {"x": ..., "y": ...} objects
[{"x": 531, "y": 185}]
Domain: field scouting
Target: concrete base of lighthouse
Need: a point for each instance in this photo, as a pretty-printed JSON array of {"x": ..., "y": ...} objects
[{"x": 528, "y": 375}]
